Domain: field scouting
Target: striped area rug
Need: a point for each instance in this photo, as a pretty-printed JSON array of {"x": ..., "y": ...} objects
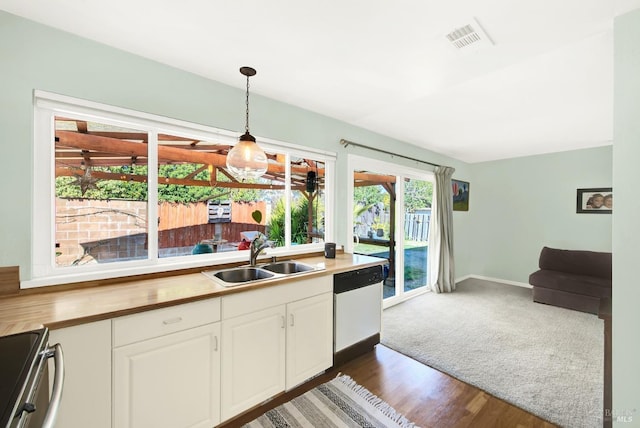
[{"x": 340, "y": 402}]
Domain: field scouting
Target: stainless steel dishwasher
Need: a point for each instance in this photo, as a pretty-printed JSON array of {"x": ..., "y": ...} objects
[{"x": 357, "y": 300}]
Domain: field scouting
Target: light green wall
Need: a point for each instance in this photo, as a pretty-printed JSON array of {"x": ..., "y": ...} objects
[
  {"x": 516, "y": 205},
  {"x": 34, "y": 56},
  {"x": 626, "y": 226},
  {"x": 520, "y": 205}
]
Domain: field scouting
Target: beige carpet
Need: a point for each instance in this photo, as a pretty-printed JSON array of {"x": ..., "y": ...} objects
[{"x": 544, "y": 359}]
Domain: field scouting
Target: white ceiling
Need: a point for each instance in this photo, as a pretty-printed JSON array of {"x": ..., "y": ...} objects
[{"x": 545, "y": 85}]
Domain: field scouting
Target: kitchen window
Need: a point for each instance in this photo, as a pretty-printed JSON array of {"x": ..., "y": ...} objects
[{"x": 119, "y": 192}]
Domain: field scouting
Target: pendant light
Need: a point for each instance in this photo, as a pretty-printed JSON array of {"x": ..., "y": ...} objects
[{"x": 246, "y": 159}]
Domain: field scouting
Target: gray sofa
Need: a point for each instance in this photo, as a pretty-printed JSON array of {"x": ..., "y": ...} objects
[{"x": 572, "y": 279}]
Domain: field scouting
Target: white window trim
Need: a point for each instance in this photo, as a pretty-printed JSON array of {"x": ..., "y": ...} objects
[{"x": 43, "y": 269}]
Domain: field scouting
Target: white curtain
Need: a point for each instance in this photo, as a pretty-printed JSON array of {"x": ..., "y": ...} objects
[{"x": 441, "y": 263}]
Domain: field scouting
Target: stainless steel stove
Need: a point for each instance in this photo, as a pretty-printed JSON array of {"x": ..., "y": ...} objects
[{"x": 24, "y": 380}]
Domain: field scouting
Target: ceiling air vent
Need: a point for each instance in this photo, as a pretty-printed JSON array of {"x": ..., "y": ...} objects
[{"x": 469, "y": 36}]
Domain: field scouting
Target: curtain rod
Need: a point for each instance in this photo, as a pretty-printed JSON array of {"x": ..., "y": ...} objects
[{"x": 347, "y": 143}]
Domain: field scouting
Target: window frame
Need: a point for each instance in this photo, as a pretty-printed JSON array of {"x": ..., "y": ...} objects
[{"x": 43, "y": 268}]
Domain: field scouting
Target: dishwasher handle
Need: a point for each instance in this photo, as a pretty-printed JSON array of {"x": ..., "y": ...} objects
[{"x": 58, "y": 383}]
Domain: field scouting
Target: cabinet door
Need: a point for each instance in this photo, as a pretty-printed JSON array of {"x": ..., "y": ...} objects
[
  {"x": 253, "y": 357},
  {"x": 86, "y": 399},
  {"x": 171, "y": 381},
  {"x": 309, "y": 338}
]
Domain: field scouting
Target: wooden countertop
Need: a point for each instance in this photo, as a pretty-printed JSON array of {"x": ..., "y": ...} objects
[{"x": 57, "y": 309}]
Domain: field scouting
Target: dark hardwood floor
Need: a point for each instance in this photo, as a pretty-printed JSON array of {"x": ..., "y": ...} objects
[{"x": 426, "y": 396}]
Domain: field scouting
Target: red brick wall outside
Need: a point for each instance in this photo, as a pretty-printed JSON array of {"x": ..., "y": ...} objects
[
  {"x": 82, "y": 225},
  {"x": 90, "y": 231}
]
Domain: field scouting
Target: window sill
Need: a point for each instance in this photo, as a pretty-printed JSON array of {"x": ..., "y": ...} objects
[{"x": 162, "y": 265}]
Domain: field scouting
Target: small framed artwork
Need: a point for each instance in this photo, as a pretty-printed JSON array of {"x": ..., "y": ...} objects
[
  {"x": 460, "y": 190},
  {"x": 598, "y": 200}
]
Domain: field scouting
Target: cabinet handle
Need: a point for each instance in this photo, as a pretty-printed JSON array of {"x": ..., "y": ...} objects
[
  {"x": 172, "y": 320},
  {"x": 283, "y": 323},
  {"x": 291, "y": 320},
  {"x": 215, "y": 343}
]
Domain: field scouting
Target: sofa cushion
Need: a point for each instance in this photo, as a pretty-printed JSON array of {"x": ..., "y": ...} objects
[
  {"x": 584, "y": 263},
  {"x": 571, "y": 283},
  {"x": 577, "y": 302}
]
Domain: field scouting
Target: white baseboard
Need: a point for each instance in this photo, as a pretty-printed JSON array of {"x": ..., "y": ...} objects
[
  {"x": 502, "y": 281},
  {"x": 463, "y": 278}
]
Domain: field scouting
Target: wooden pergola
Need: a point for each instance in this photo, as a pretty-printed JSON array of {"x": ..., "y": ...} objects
[
  {"x": 78, "y": 150},
  {"x": 81, "y": 147}
]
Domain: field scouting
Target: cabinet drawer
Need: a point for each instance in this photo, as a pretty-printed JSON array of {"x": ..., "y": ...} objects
[{"x": 158, "y": 322}]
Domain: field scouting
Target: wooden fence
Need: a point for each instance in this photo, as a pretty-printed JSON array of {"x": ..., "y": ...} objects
[
  {"x": 416, "y": 227},
  {"x": 191, "y": 235},
  {"x": 172, "y": 215}
]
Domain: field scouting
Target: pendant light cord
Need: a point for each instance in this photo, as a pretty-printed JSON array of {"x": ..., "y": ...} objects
[{"x": 246, "y": 127}]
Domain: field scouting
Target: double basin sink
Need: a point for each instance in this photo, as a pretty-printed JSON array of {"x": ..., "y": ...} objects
[{"x": 244, "y": 274}]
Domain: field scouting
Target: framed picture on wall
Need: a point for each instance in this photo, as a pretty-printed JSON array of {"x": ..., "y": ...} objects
[
  {"x": 460, "y": 190},
  {"x": 598, "y": 200}
]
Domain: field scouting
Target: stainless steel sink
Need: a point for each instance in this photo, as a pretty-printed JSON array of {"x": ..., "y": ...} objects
[
  {"x": 245, "y": 274},
  {"x": 241, "y": 274},
  {"x": 287, "y": 267}
]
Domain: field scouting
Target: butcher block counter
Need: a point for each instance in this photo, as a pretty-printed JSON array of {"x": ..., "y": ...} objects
[{"x": 68, "y": 307}]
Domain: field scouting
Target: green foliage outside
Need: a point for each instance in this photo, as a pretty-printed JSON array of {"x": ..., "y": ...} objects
[
  {"x": 417, "y": 194},
  {"x": 299, "y": 221},
  {"x": 369, "y": 195},
  {"x": 69, "y": 188}
]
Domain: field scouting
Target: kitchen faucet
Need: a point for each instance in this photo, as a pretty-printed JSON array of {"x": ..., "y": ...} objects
[{"x": 258, "y": 244}]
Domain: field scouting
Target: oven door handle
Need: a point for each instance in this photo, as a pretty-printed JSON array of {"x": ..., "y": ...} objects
[{"x": 58, "y": 382}]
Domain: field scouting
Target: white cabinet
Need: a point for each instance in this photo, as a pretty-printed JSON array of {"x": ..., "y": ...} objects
[
  {"x": 274, "y": 339},
  {"x": 86, "y": 401},
  {"x": 253, "y": 359},
  {"x": 166, "y": 367},
  {"x": 168, "y": 381},
  {"x": 309, "y": 338},
  {"x": 194, "y": 365}
]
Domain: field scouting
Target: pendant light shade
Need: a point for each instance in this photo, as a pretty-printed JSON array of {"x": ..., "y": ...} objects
[{"x": 246, "y": 159}]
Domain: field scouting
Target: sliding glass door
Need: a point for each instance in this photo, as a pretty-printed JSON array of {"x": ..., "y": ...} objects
[
  {"x": 391, "y": 214},
  {"x": 418, "y": 195}
]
